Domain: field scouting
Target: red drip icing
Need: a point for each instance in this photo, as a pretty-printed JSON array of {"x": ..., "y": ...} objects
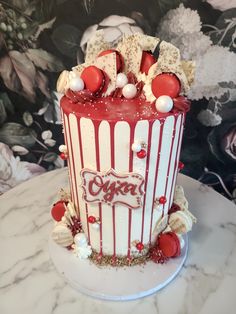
[
  {"x": 146, "y": 175},
  {"x": 156, "y": 174},
  {"x": 82, "y": 166},
  {"x": 97, "y": 149},
  {"x": 68, "y": 160},
  {"x": 169, "y": 162},
  {"x": 176, "y": 161},
  {"x": 73, "y": 164},
  {"x": 115, "y": 109}
]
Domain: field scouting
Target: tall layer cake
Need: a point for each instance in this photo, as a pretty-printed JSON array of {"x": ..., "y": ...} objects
[{"x": 123, "y": 116}]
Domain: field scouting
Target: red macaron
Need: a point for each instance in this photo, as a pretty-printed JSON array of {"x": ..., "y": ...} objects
[
  {"x": 58, "y": 210},
  {"x": 119, "y": 58},
  {"x": 166, "y": 84},
  {"x": 94, "y": 79},
  {"x": 147, "y": 61},
  {"x": 169, "y": 244}
]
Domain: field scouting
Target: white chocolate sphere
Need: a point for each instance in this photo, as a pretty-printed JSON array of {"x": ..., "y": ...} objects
[
  {"x": 62, "y": 148},
  {"x": 136, "y": 147},
  {"x": 80, "y": 239},
  {"x": 76, "y": 84},
  {"x": 121, "y": 80},
  {"x": 164, "y": 104},
  {"x": 96, "y": 226},
  {"x": 129, "y": 91}
]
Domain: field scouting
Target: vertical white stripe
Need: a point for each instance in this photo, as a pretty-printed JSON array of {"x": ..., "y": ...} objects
[
  {"x": 105, "y": 164},
  {"x": 122, "y": 148},
  {"x": 139, "y": 166},
  {"x": 89, "y": 157},
  {"x": 77, "y": 161},
  {"x": 70, "y": 161},
  {"x": 177, "y": 159},
  {"x": 164, "y": 156},
  {"x": 172, "y": 164}
]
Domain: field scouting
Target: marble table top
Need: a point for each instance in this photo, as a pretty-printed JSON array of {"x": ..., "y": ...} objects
[{"x": 29, "y": 284}]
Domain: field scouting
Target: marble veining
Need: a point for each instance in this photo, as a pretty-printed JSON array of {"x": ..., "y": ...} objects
[{"x": 29, "y": 283}]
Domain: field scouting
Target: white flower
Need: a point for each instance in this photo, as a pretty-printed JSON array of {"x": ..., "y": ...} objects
[
  {"x": 222, "y": 5},
  {"x": 209, "y": 118},
  {"x": 114, "y": 27},
  {"x": 14, "y": 171},
  {"x": 178, "y": 22},
  {"x": 192, "y": 46},
  {"x": 215, "y": 66}
]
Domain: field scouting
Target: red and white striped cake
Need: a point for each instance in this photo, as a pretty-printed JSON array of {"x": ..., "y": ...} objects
[
  {"x": 123, "y": 116},
  {"x": 102, "y": 141}
]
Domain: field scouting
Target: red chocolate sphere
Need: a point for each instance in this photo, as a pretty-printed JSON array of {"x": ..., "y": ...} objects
[
  {"x": 162, "y": 200},
  {"x": 139, "y": 246},
  {"x": 147, "y": 61},
  {"x": 166, "y": 84},
  {"x": 58, "y": 210},
  {"x": 141, "y": 154},
  {"x": 91, "y": 219}
]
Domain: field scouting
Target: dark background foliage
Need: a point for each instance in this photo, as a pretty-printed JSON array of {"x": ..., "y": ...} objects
[{"x": 45, "y": 37}]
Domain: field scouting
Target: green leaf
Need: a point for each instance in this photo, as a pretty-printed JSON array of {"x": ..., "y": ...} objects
[
  {"x": 16, "y": 134},
  {"x": 27, "y": 118},
  {"x": 18, "y": 73},
  {"x": 44, "y": 60},
  {"x": 3, "y": 114},
  {"x": 67, "y": 39},
  {"x": 7, "y": 103},
  {"x": 50, "y": 157}
]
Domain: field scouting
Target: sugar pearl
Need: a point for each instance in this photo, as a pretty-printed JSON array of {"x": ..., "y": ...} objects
[
  {"x": 121, "y": 80},
  {"x": 62, "y": 148},
  {"x": 129, "y": 91},
  {"x": 96, "y": 226},
  {"x": 80, "y": 239},
  {"x": 164, "y": 104},
  {"x": 136, "y": 147},
  {"x": 76, "y": 84}
]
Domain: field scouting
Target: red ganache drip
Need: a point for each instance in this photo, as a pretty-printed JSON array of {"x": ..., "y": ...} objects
[{"x": 116, "y": 109}]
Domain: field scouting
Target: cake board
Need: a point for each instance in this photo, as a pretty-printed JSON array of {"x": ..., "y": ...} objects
[{"x": 115, "y": 283}]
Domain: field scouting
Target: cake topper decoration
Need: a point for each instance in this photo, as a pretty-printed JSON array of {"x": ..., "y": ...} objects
[
  {"x": 112, "y": 188},
  {"x": 140, "y": 66}
]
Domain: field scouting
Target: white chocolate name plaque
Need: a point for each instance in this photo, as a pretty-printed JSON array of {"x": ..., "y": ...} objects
[{"x": 112, "y": 188}]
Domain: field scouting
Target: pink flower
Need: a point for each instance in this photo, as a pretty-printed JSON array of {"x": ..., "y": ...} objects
[
  {"x": 14, "y": 171},
  {"x": 228, "y": 143}
]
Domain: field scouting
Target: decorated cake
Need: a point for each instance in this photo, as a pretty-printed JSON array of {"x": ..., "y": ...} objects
[{"x": 123, "y": 114}]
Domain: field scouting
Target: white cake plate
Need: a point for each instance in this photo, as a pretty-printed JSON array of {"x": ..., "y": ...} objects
[{"x": 113, "y": 283}]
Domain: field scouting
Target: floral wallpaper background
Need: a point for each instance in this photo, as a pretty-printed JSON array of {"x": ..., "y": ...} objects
[{"x": 40, "y": 38}]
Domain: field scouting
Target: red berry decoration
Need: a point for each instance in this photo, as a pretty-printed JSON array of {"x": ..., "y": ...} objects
[
  {"x": 181, "y": 165},
  {"x": 169, "y": 244},
  {"x": 162, "y": 200},
  {"x": 142, "y": 154},
  {"x": 119, "y": 58},
  {"x": 147, "y": 61},
  {"x": 139, "y": 246},
  {"x": 157, "y": 256},
  {"x": 93, "y": 78},
  {"x": 166, "y": 84},
  {"x": 91, "y": 219},
  {"x": 58, "y": 210},
  {"x": 63, "y": 156}
]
